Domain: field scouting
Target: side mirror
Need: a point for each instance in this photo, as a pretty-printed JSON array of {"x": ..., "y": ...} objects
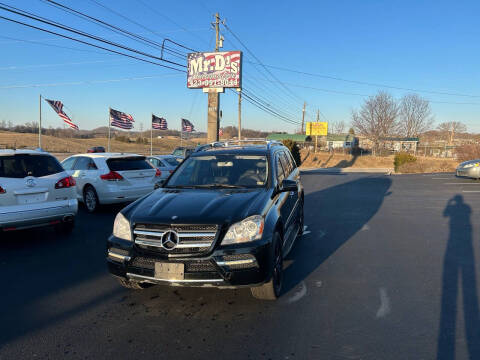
[{"x": 288, "y": 185}]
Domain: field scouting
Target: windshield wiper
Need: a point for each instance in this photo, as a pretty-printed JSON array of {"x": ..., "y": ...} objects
[
  {"x": 179, "y": 187},
  {"x": 228, "y": 186}
]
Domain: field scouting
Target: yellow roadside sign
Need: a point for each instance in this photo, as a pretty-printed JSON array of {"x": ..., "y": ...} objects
[{"x": 317, "y": 128}]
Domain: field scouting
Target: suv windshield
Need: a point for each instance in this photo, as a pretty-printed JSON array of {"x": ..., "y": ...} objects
[
  {"x": 221, "y": 171},
  {"x": 23, "y": 165}
]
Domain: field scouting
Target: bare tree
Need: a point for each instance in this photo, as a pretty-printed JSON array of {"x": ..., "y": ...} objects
[
  {"x": 336, "y": 127},
  {"x": 415, "y": 115},
  {"x": 450, "y": 128},
  {"x": 377, "y": 118}
]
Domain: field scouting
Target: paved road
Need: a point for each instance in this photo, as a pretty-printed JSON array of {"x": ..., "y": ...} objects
[{"x": 386, "y": 271}]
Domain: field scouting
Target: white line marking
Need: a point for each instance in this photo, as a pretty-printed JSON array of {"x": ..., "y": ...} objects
[
  {"x": 470, "y": 191},
  {"x": 299, "y": 293},
  {"x": 365, "y": 228},
  {"x": 462, "y": 183},
  {"x": 439, "y": 178},
  {"x": 384, "y": 308}
]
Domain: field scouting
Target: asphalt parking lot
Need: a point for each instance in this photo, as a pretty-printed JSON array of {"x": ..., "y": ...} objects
[{"x": 386, "y": 270}]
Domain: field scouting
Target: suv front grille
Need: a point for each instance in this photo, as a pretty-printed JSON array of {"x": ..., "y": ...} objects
[{"x": 192, "y": 239}]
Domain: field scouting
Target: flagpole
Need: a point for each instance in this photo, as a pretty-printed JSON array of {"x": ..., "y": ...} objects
[
  {"x": 108, "y": 147},
  {"x": 151, "y": 137},
  {"x": 40, "y": 124}
]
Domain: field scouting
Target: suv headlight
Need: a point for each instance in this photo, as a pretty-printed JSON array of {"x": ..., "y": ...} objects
[
  {"x": 471, "y": 165},
  {"x": 246, "y": 230},
  {"x": 121, "y": 227}
]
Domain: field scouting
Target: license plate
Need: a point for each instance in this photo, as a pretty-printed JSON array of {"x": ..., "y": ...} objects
[
  {"x": 169, "y": 271},
  {"x": 30, "y": 198}
]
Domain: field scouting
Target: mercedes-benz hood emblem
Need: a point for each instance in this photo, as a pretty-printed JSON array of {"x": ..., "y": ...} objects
[{"x": 169, "y": 240}]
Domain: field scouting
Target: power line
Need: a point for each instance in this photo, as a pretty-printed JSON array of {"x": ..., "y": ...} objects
[
  {"x": 90, "y": 44},
  {"x": 78, "y": 32},
  {"x": 87, "y": 82},
  {"x": 258, "y": 60},
  {"x": 368, "y": 83},
  {"x": 113, "y": 28}
]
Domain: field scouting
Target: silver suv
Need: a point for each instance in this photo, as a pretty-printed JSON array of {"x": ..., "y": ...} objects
[{"x": 35, "y": 191}]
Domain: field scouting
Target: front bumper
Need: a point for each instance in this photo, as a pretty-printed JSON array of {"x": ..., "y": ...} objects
[
  {"x": 224, "y": 267},
  {"x": 472, "y": 172}
]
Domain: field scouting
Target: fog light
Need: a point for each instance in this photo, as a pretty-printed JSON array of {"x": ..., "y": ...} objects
[
  {"x": 240, "y": 261},
  {"x": 118, "y": 255}
]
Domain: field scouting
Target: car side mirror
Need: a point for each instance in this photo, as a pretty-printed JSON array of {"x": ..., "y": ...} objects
[{"x": 288, "y": 185}]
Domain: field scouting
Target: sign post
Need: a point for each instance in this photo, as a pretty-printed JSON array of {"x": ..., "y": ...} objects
[{"x": 317, "y": 128}]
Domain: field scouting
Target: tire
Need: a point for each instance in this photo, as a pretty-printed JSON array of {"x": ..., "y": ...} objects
[
  {"x": 301, "y": 220},
  {"x": 90, "y": 199},
  {"x": 65, "y": 227},
  {"x": 129, "y": 284},
  {"x": 272, "y": 289}
]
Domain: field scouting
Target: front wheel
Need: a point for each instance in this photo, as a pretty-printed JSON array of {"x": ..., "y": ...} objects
[{"x": 272, "y": 289}]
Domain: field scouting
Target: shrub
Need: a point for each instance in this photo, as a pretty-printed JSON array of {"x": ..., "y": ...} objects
[
  {"x": 294, "y": 149},
  {"x": 468, "y": 152},
  {"x": 122, "y": 138},
  {"x": 402, "y": 158}
]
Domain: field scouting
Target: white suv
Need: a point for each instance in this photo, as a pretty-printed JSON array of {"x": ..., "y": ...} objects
[
  {"x": 35, "y": 191},
  {"x": 108, "y": 178}
]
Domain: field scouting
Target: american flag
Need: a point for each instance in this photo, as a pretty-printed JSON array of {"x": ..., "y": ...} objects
[
  {"x": 159, "y": 123},
  {"x": 57, "y": 106},
  {"x": 187, "y": 126},
  {"x": 121, "y": 120},
  {"x": 220, "y": 132}
]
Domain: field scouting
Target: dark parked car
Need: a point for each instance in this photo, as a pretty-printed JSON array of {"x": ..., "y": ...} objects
[
  {"x": 96, "y": 149},
  {"x": 226, "y": 218}
]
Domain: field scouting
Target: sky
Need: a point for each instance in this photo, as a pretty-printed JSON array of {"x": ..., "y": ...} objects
[{"x": 429, "y": 47}]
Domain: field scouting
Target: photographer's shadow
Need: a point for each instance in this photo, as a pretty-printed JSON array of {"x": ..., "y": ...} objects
[{"x": 459, "y": 263}]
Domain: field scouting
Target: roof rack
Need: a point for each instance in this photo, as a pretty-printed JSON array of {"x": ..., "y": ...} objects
[{"x": 232, "y": 143}]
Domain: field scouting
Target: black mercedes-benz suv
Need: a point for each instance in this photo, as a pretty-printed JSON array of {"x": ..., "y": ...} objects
[{"x": 225, "y": 218}]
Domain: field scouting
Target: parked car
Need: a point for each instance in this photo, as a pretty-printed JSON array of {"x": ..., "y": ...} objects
[
  {"x": 182, "y": 151},
  {"x": 108, "y": 178},
  {"x": 165, "y": 163},
  {"x": 96, "y": 149},
  {"x": 469, "y": 169},
  {"x": 226, "y": 218},
  {"x": 35, "y": 191}
]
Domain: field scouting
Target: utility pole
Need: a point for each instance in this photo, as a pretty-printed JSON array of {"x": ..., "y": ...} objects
[
  {"x": 303, "y": 115},
  {"x": 40, "y": 124},
  {"x": 239, "y": 114},
  {"x": 213, "y": 94},
  {"x": 316, "y": 136}
]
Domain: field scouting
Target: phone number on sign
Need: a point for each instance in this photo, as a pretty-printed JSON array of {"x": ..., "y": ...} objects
[{"x": 215, "y": 83}]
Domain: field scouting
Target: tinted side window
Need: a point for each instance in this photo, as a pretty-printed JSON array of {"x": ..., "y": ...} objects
[
  {"x": 128, "y": 163},
  {"x": 285, "y": 164},
  {"x": 279, "y": 168},
  {"x": 68, "y": 163},
  {"x": 23, "y": 165},
  {"x": 81, "y": 164},
  {"x": 292, "y": 160}
]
